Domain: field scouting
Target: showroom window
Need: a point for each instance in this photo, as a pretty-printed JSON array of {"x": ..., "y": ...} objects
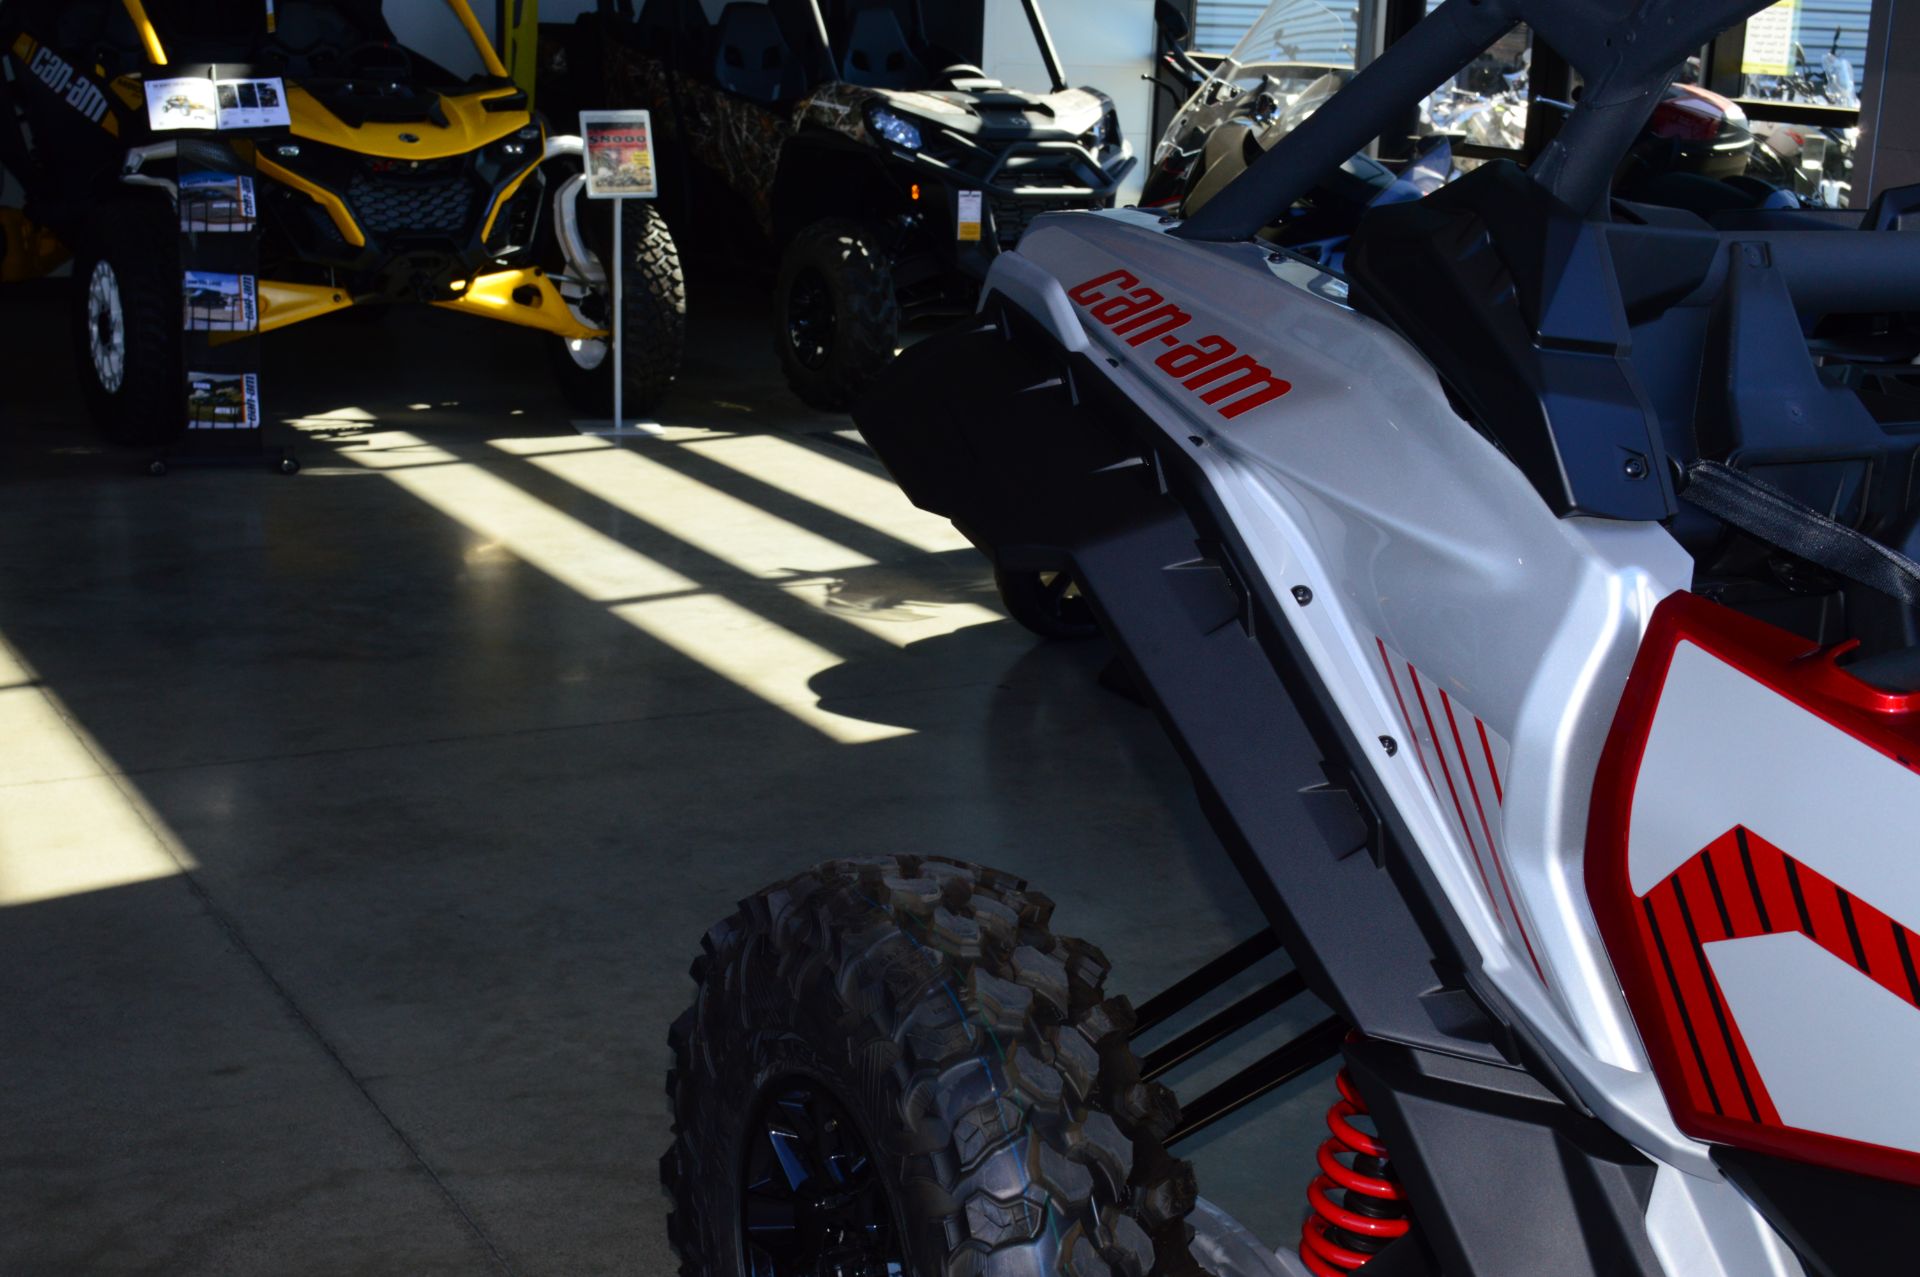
[
  {"x": 1306, "y": 32},
  {"x": 1812, "y": 52},
  {"x": 1305, "y": 47}
]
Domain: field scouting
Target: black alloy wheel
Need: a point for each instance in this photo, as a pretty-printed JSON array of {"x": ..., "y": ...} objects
[
  {"x": 813, "y": 1204},
  {"x": 836, "y": 320},
  {"x": 810, "y": 319}
]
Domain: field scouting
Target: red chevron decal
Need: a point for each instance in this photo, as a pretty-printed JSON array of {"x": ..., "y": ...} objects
[{"x": 1740, "y": 885}]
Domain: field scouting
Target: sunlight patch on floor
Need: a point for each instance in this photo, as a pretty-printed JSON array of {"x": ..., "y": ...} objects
[
  {"x": 66, "y": 825},
  {"x": 726, "y": 637},
  {"x": 806, "y": 564},
  {"x": 843, "y": 486},
  {"x": 736, "y": 532}
]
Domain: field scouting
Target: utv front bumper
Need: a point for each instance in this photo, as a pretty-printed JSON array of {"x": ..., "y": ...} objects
[
  {"x": 1025, "y": 179},
  {"x": 466, "y": 215},
  {"x": 406, "y": 229}
]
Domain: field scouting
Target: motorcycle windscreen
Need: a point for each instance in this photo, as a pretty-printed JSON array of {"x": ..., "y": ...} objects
[{"x": 1754, "y": 862}]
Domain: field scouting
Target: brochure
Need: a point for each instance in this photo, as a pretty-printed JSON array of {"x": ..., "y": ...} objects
[
  {"x": 195, "y": 103},
  {"x": 212, "y": 201},
  {"x": 220, "y": 303},
  {"x": 223, "y": 401}
]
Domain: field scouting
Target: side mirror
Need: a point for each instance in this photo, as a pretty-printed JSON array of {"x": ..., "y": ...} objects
[{"x": 1172, "y": 21}]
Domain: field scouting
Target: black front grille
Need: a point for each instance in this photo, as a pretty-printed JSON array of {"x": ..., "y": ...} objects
[
  {"x": 1011, "y": 217},
  {"x": 393, "y": 206}
]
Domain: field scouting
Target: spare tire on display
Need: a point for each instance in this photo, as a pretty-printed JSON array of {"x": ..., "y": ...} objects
[
  {"x": 893, "y": 1066},
  {"x": 128, "y": 320}
]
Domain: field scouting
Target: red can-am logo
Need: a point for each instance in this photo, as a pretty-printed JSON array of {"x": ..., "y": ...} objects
[{"x": 1212, "y": 367}]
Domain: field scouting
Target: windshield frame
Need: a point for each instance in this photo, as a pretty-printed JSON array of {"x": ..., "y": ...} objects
[{"x": 1249, "y": 60}]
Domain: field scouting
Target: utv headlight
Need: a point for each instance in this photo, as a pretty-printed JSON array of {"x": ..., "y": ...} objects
[
  {"x": 1104, "y": 134},
  {"x": 521, "y": 144},
  {"x": 902, "y": 133}
]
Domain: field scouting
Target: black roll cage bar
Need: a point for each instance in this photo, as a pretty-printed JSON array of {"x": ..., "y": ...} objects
[{"x": 1628, "y": 52}]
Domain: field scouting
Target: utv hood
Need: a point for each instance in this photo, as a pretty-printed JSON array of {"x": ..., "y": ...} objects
[
  {"x": 1002, "y": 115},
  {"x": 413, "y": 125}
]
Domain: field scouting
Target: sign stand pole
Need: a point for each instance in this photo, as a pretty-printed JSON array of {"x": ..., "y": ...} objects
[
  {"x": 619, "y": 427},
  {"x": 619, "y": 347}
]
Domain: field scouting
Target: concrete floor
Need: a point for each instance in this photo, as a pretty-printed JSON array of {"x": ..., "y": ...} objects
[{"x": 356, "y": 828}]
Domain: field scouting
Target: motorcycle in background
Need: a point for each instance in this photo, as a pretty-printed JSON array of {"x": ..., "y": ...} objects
[{"x": 1814, "y": 163}]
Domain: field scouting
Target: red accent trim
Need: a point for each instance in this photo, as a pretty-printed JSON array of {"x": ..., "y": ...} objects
[
  {"x": 1499, "y": 797},
  {"x": 1346, "y": 1177},
  {"x": 1325, "y": 1257},
  {"x": 1453, "y": 793},
  {"x": 1520, "y": 923},
  {"x": 1783, "y": 914},
  {"x": 1877, "y": 937},
  {"x": 1413, "y": 737},
  {"x": 1823, "y": 906},
  {"x": 1742, "y": 906},
  {"x": 1351, "y": 1221},
  {"x": 1319, "y": 1250},
  {"x": 1757, "y": 889}
]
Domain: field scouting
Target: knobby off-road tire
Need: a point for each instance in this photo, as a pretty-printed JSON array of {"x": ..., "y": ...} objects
[
  {"x": 653, "y": 320},
  {"x": 836, "y": 320},
  {"x": 128, "y": 319},
  {"x": 989, "y": 1076},
  {"x": 1049, "y": 604}
]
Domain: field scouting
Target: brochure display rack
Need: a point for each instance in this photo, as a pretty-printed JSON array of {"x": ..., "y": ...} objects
[{"x": 220, "y": 270}]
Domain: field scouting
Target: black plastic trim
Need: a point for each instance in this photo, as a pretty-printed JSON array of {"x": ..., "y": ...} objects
[
  {"x": 1838, "y": 1223},
  {"x": 1504, "y": 1179}
]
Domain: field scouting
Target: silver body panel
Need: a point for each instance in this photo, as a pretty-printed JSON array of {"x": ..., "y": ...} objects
[{"x": 1426, "y": 550}]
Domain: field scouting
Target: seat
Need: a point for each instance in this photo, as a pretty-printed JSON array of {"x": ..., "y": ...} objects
[
  {"x": 752, "y": 57},
  {"x": 877, "y": 53},
  {"x": 673, "y": 29}
]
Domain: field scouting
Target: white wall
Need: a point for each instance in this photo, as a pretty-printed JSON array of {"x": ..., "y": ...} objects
[{"x": 1103, "y": 44}]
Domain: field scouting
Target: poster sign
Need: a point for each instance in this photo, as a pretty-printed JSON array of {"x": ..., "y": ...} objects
[
  {"x": 221, "y": 303},
  {"x": 1769, "y": 47},
  {"x": 223, "y": 401},
  {"x": 968, "y": 221},
  {"x": 196, "y": 103},
  {"x": 619, "y": 154},
  {"x": 216, "y": 202}
]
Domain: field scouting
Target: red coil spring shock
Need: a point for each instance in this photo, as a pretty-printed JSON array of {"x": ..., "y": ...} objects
[{"x": 1370, "y": 1211}]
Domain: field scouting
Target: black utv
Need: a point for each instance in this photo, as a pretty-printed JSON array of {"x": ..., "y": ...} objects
[{"x": 856, "y": 139}]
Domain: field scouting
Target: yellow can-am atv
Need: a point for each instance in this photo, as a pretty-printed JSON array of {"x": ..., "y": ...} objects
[{"x": 396, "y": 181}]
